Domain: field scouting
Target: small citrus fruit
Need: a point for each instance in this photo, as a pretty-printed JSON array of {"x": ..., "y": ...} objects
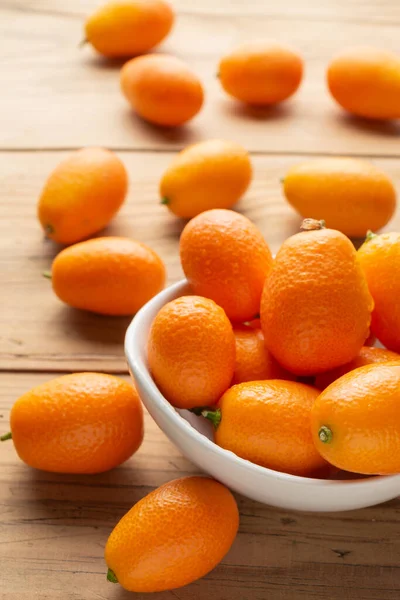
[
  {"x": 109, "y": 276},
  {"x": 253, "y": 361},
  {"x": 316, "y": 307},
  {"x": 380, "y": 260},
  {"x": 78, "y": 423},
  {"x": 82, "y": 195},
  {"x": 191, "y": 351},
  {"x": 162, "y": 89},
  {"x": 366, "y": 82},
  {"x": 355, "y": 421},
  {"x": 349, "y": 194},
  {"x": 268, "y": 423},
  {"x": 367, "y": 356},
  {"x": 173, "y": 536},
  {"x": 129, "y": 27},
  {"x": 211, "y": 174},
  {"x": 225, "y": 258},
  {"x": 261, "y": 73}
]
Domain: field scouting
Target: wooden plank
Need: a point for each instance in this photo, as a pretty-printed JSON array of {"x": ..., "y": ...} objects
[
  {"x": 54, "y": 528},
  {"x": 56, "y": 95},
  {"x": 349, "y": 10},
  {"x": 36, "y": 330}
]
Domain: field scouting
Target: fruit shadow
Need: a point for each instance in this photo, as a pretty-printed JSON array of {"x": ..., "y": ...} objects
[
  {"x": 102, "y": 62},
  {"x": 111, "y": 63},
  {"x": 102, "y": 330},
  {"x": 384, "y": 128},
  {"x": 121, "y": 594},
  {"x": 97, "y": 501},
  {"x": 180, "y": 136},
  {"x": 258, "y": 113}
]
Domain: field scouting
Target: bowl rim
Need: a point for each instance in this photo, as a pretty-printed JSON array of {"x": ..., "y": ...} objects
[{"x": 140, "y": 371}]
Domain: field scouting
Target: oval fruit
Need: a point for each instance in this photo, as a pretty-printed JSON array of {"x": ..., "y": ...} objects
[
  {"x": 316, "y": 307},
  {"x": 191, "y": 351},
  {"x": 268, "y": 423},
  {"x": 225, "y": 258},
  {"x": 367, "y": 356},
  {"x": 380, "y": 260},
  {"x": 211, "y": 174},
  {"x": 109, "y": 276},
  {"x": 78, "y": 423},
  {"x": 349, "y": 194},
  {"x": 355, "y": 421},
  {"x": 82, "y": 195},
  {"x": 253, "y": 361},
  {"x": 261, "y": 73},
  {"x": 173, "y": 536},
  {"x": 129, "y": 27},
  {"x": 366, "y": 82},
  {"x": 162, "y": 89}
]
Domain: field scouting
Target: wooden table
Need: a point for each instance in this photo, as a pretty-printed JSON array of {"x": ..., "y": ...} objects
[{"x": 55, "y": 98}]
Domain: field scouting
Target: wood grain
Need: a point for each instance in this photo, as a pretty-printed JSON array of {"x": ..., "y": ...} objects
[
  {"x": 343, "y": 10},
  {"x": 36, "y": 330},
  {"x": 55, "y": 95},
  {"x": 54, "y": 528}
]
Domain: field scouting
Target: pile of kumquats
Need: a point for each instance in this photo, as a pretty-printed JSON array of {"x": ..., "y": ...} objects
[{"x": 276, "y": 352}]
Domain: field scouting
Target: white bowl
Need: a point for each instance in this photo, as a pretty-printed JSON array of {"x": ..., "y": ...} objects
[{"x": 193, "y": 436}]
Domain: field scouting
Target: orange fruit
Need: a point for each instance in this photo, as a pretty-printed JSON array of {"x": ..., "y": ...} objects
[
  {"x": 355, "y": 421},
  {"x": 366, "y": 356},
  {"x": 253, "y": 361},
  {"x": 211, "y": 174},
  {"x": 79, "y": 423},
  {"x": 349, "y": 194},
  {"x": 82, "y": 195},
  {"x": 109, "y": 276},
  {"x": 191, "y": 351},
  {"x": 261, "y": 73},
  {"x": 173, "y": 536},
  {"x": 225, "y": 258},
  {"x": 129, "y": 27},
  {"x": 380, "y": 260},
  {"x": 316, "y": 307},
  {"x": 268, "y": 423},
  {"x": 162, "y": 89},
  {"x": 366, "y": 82}
]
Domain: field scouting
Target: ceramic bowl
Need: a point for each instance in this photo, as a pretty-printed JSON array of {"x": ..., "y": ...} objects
[{"x": 193, "y": 436}]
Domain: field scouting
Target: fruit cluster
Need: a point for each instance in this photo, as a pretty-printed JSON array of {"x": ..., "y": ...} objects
[
  {"x": 317, "y": 301},
  {"x": 163, "y": 90}
]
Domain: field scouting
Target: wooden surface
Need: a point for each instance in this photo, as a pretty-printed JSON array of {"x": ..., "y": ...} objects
[{"x": 56, "y": 97}]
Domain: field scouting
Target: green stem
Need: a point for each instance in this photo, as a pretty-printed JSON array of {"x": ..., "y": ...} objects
[
  {"x": 6, "y": 436},
  {"x": 83, "y": 43},
  {"x": 49, "y": 229},
  {"x": 325, "y": 434},
  {"x": 164, "y": 200},
  {"x": 282, "y": 180},
  {"x": 214, "y": 416},
  {"x": 47, "y": 274},
  {"x": 370, "y": 235},
  {"x": 111, "y": 576}
]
